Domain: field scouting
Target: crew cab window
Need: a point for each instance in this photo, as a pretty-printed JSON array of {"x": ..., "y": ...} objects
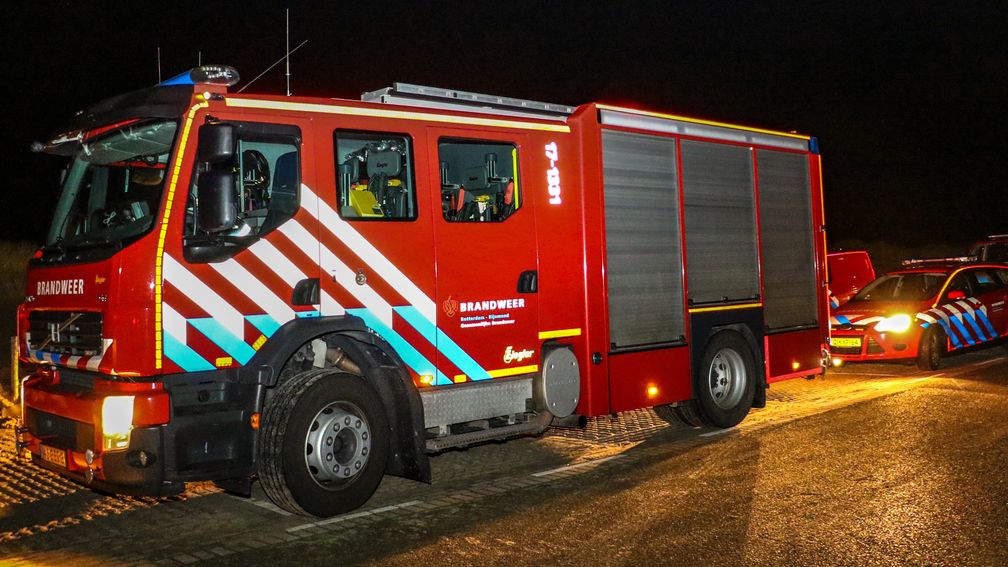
[
  {"x": 479, "y": 180},
  {"x": 265, "y": 172},
  {"x": 374, "y": 176}
]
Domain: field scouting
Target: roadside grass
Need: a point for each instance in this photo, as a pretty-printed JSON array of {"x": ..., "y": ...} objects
[{"x": 13, "y": 261}]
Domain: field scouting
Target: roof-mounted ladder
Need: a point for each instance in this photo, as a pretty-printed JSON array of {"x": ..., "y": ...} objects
[{"x": 448, "y": 99}]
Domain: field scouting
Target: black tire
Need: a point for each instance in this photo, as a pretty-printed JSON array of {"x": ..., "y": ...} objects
[
  {"x": 725, "y": 383},
  {"x": 684, "y": 412},
  {"x": 931, "y": 349},
  {"x": 323, "y": 407}
]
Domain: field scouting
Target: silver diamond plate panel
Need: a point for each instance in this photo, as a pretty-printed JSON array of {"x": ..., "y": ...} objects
[{"x": 475, "y": 400}]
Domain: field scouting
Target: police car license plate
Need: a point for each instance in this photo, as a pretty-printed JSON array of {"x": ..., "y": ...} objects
[
  {"x": 54, "y": 456},
  {"x": 845, "y": 341}
]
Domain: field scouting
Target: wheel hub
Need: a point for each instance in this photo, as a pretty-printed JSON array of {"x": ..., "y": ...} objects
[
  {"x": 337, "y": 444},
  {"x": 726, "y": 378}
]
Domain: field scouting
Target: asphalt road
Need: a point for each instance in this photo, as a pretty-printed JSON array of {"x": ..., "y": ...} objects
[{"x": 870, "y": 465}]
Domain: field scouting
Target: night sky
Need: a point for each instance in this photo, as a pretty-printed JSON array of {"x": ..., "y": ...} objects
[{"x": 907, "y": 100}]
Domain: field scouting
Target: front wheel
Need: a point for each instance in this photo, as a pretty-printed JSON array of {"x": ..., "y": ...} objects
[
  {"x": 726, "y": 382},
  {"x": 324, "y": 443},
  {"x": 932, "y": 345}
]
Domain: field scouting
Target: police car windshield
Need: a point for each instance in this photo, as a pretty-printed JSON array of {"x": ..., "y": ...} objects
[
  {"x": 112, "y": 188},
  {"x": 915, "y": 286}
]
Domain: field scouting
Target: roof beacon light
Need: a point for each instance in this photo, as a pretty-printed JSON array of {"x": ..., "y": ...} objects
[{"x": 206, "y": 75}]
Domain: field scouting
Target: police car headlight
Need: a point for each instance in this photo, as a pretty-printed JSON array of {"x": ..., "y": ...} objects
[
  {"x": 117, "y": 422},
  {"x": 895, "y": 324}
]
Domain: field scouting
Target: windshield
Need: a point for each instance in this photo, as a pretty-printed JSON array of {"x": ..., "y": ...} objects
[
  {"x": 112, "y": 188},
  {"x": 902, "y": 287}
]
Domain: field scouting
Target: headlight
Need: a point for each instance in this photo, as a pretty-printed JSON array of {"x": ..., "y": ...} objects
[
  {"x": 894, "y": 324},
  {"x": 117, "y": 422}
]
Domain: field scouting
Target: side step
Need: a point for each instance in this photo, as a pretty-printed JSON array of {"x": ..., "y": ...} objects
[{"x": 533, "y": 426}]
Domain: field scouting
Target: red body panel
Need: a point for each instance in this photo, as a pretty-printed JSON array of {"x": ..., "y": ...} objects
[
  {"x": 795, "y": 354},
  {"x": 649, "y": 378}
]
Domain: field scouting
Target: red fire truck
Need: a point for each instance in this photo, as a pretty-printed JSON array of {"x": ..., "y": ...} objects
[{"x": 315, "y": 292}]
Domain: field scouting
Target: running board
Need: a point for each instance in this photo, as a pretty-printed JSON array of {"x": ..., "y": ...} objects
[
  {"x": 471, "y": 401},
  {"x": 535, "y": 425}
]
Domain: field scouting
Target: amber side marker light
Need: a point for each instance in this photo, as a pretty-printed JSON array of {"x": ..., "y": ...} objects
[
  {"x": 795, "y": 365},
  {"x": 427, "y": 379},
  {"x": 254, "y": 420},
  {"x": 652, "y": 391}
]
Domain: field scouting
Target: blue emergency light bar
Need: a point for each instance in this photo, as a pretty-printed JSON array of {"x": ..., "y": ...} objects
[{"x": 205, "y": 75}]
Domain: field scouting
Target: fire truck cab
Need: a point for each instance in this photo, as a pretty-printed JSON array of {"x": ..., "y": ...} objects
[{"x": 317, "y": 292}]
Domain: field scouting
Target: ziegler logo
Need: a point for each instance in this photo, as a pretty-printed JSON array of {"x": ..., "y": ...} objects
[
  {"x": 450, "y": 306},
  {"x": 511, "y": 355}
]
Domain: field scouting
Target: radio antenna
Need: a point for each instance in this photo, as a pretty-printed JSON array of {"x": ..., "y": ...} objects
[
  {"x": 287, "y": 50},
  {"x": 159, "y": 64},
  {"x": 278, "y": 61}
]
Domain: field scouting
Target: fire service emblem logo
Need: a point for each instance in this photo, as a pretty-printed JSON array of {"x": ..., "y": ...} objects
[{"x": 450, "y": 306}]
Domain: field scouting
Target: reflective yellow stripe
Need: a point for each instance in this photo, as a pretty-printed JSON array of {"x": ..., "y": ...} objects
[
  {"x": 513, "y": 371},
  {"x": 698, "y": 121},
  {"x": 559, "y": 334},
  {"x": 514, "y": 174},
  {"x": 159, "y": 256},
  {"x": 725, "y": 307},
  {"x": 400, "y": 114}
]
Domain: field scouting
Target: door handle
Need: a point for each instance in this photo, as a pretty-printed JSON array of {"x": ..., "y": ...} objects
[{"x": 528, "y": 282}]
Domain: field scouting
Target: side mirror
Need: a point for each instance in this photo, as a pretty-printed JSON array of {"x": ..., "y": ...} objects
[
  {"x": 215, "y": 192},
  {"x": 216, "y": 143},
  {"x": 956, "y": 295}
]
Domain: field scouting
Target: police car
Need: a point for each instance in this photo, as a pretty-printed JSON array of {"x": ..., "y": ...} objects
[{"x": 921, "y": 312}]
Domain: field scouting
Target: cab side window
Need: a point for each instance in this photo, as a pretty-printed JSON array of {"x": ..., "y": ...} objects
[
  {"x": 264, "y": 176},
  {"x": 1003, "y": 275},
  {"x": 268, "y": 189},
  {"x": 479, "y": 180},
  {"x": 961, "y": 283},
  {"x": 374, "y": 176},
  {"x": 987, "y": 281}
]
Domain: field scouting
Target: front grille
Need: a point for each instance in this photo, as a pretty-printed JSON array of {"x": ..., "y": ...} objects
[
  {"x": 65, "y": 332},
  {"x": 59, "y": 431},
  {"x": 76, "y": 380},
  {"x": 845, "y": 350}
]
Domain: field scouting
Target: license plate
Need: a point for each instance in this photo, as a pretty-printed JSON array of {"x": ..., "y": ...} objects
[
  {"x": 54, "y": 456},
  {"x": 845, "y": 341}
]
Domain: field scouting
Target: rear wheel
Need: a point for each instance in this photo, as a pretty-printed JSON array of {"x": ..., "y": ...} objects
[
  {"x": 932, "y": 346},
  {"x": 324, "y": 443},
  {"x": 726, "y": 381}
]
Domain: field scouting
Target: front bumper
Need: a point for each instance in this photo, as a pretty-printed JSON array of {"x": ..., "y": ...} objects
[
  {"x": 136, "y": 471},
  {"x": 62, "y": 432},
  {"x": 183, "y": 430},
  {"x": 864, "y": 344}
]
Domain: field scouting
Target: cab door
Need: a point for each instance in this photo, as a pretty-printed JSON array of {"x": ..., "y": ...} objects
[
  {"x": 485, "y": 256},
  {"x": 992, "y": 293}
]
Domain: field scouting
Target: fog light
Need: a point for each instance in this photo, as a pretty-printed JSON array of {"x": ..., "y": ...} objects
[
  {"x": 837, "y": 362},
  {"x": 89, "y": 456},
  {"x": 117, "y": 422},
  {"x": 140, "y": 458}
]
